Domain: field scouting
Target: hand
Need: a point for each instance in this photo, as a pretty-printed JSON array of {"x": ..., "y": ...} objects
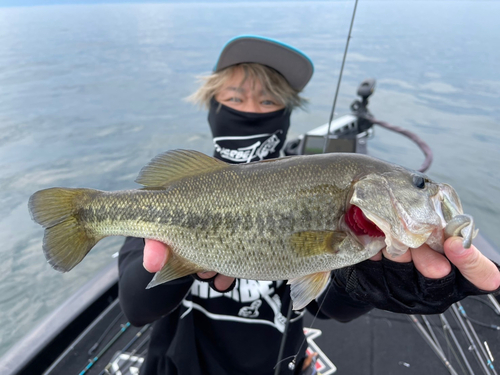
[
  {"x": 157, "y": 254},
  {"x": 421, "y": 281},
  {"x": 309, "y": 361},
  {"x": 471, "y": 263}
]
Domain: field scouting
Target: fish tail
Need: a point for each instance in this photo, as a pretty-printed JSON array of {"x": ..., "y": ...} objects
[{"x": 66, "y": 240}]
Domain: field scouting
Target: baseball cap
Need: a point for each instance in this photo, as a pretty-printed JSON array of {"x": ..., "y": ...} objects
[{"x": 291, "y": 63}]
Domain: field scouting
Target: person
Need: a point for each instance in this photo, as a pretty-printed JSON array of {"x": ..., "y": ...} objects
[{"x": 214, "y": 324}]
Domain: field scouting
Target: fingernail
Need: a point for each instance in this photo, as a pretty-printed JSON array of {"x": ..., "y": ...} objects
[{"x": 457, "y": 246}]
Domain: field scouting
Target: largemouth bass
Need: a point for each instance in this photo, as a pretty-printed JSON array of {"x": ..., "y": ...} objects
[{"x": 295, "y": 218}]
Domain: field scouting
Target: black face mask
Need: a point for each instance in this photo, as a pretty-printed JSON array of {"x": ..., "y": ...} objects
[{"x": 242, "y": 137}]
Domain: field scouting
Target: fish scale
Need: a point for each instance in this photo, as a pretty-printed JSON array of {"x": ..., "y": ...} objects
[{"x": 206, "y": 239}]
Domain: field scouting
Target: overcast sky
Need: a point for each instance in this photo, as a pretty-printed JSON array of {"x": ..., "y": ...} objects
[{"x": 10, "y": 3}]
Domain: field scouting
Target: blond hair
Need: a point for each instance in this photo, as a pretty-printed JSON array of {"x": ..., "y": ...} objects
[{"x": 272, "y": 82}]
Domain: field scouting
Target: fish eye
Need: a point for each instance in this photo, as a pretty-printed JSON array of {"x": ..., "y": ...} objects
[{"x": 419, "y": 182}]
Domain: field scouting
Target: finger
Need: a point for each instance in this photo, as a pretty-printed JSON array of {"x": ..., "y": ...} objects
[
  {"x": 222, "y": 282},
  {"x": 430, "y": 263},
  {"x": 206, "y": 274},
  {"x": 156, "y": 255},
  {"x": 377, "y": 257},
  {"x": 475, "y": 267},
  {"x": 403, "y": 258},
  {"x": 308, "y": 360}
]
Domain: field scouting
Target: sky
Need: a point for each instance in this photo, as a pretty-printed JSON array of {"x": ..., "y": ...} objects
[
  {"x": 13, "y": 3},
  {"x": 10, "y": 3},
  {"x": 17, "y": 3}
]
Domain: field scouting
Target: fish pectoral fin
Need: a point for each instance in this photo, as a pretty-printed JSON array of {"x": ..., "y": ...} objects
[
  {"x": 174, "y": 269},
  {"x": 310, "y": 243},
  {"x": 175, "y": 165},
  {"x": 306, "y": 288}
]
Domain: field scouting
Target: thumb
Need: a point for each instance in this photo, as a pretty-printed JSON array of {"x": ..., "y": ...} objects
[
  {"x": 156, "y": 255},
  {"x": 473, "y": 265}
]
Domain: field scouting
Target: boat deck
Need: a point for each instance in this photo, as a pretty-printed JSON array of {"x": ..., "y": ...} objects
[{"x": 379, "y": 343}]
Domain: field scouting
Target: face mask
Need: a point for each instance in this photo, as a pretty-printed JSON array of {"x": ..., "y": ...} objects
[{"x": 242, "y": 137}]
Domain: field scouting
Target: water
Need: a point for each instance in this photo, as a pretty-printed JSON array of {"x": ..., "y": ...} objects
[{"x": 90, "y": 93}]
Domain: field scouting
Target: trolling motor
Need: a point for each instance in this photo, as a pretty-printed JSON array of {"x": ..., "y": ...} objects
[
  {"x": 345, "y": 134},
  {"x": 360, "y": 108},
  {"x": 350, "y": 133}
]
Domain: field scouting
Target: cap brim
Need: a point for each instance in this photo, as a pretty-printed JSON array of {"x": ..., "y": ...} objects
[{"x": 293, "y": 64}]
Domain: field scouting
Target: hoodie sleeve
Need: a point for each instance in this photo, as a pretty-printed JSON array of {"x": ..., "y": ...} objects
[
  {"x": 141, "y": 305},
  {"x": 336, "y": 303}
]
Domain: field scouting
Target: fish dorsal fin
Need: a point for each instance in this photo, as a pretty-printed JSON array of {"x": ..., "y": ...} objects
[
  {"x": 175, "y": 165},
  {"x": 306, "y": 288}
]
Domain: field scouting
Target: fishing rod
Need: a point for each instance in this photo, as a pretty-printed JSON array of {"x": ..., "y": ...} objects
[
  {"x": 327, "y": 136},
  {"x": 285, "y": 333},
  {"x": 447, "y": 329},
  {"x": 479, "y": 349},
  {"x": 495, "y": 303},
  {"x": 105, "y": 349},
  {"x": 437, "y": 350},
  {"x": 131, "y": 360},
  {"x": 431, "y": 331},
  {"x": 94, "y": 347},
  {"x": 475, "y": 344},
  {"x": 125, "y": 348}
]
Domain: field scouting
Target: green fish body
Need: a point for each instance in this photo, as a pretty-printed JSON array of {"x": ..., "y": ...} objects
[{"x": 284, "y": 219}]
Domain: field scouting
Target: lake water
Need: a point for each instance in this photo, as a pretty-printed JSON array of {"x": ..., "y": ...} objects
[{"x": 90, "y": 93}]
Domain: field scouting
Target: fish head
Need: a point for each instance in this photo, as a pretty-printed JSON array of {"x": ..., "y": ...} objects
[{"x": 406, "y": 207}]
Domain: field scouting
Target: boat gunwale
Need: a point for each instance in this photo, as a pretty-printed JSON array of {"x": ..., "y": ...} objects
[{"x": 26, "y": 350}]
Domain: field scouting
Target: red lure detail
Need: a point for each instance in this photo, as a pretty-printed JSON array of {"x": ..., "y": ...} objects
[{"x": 360, "y": 224}]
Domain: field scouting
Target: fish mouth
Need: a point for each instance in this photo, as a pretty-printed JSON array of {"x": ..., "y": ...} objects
[
  {"x": 398, "y": 236},
  {"x": 372, "y": 229},
  {"x": 360, "y": 224},
  {"x": 365, "y": 230}
]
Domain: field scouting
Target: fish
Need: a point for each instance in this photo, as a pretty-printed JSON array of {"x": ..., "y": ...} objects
[{"x": 295, "y": 218}]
